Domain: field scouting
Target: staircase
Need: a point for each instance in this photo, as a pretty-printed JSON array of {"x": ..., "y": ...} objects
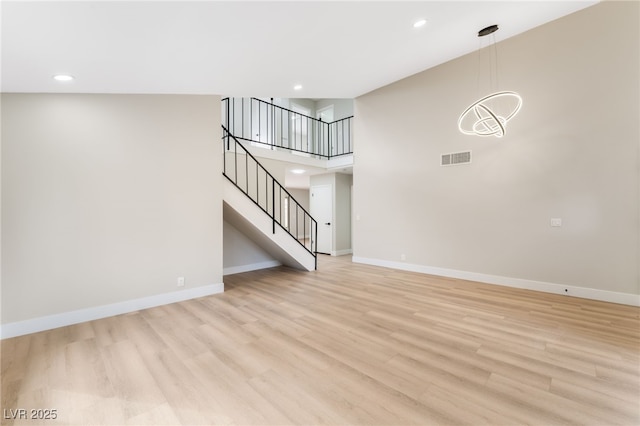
[{"x": 257, "y": 203}]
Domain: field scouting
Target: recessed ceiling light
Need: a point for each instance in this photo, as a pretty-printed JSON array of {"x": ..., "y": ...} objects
[
  {"x": 297, "y": 87},
  {"x": 297, "y": 171},
  {"x": 420, "y": 23},
  {"x": 63, "y": 77}
]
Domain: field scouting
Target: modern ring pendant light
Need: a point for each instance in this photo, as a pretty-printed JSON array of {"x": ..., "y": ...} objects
[{"x": 489, "y": 115}]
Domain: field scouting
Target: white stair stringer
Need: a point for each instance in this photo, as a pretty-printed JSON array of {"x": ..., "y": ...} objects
[{"x": 240, "y": 211}]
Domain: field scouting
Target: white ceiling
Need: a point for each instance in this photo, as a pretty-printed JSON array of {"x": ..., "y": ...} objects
[{"x": 335, "y": 49}]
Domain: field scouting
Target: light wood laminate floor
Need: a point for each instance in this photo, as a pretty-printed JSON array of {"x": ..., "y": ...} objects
[{"x": 348, "y": 344}]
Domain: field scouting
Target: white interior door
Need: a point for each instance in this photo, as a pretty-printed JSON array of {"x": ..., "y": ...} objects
[{"x": 321, "y": 206}]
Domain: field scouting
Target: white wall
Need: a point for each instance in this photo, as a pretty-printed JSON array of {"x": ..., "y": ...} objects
[
  {"x": 106, "y": 199},
  {"x": 309, "y": 104},
  {"x": 571, "y": 153},
  {"x": 342, "y": 210},
  {"x": 303, "y": 224},
  {"x": 342, "y": 108},
  {"x": 242, "y": 254},
  {"x": 301, "y": 195}
]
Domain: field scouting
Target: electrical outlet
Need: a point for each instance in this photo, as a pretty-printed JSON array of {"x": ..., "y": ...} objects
[
  {"x": 556, "y": 222},
  {"x": 180, "y": 281},
  {"x": 403, "y": 257}
]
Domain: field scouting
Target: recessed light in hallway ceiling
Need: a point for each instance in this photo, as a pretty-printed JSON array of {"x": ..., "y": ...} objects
[
  {"x": 63, "y": 77},
  {"x": 420, "y": 23}
]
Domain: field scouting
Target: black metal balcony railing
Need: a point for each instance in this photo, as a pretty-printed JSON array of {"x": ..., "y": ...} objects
[
  {"x": 262, "y": 122},
  {"x": 248, "y": 175}
]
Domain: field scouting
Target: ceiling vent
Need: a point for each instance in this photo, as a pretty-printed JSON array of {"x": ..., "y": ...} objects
[{"x": 455, "y": 158}]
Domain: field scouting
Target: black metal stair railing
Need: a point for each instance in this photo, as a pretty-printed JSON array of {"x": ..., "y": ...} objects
[
  {"x": 273, "y": 126},
  {"x": 247, "y": 174}
]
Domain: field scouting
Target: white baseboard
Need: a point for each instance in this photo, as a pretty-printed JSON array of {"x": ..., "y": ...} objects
[
  {"x": 49, "y": 322},
  {"x": 583, "y": 292},
  {"x": 252, "y": 267},
  {"x": 341, "y": 252}
]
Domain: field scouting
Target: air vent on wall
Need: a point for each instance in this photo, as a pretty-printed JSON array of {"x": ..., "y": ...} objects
[{"x": 455, "y": 158}]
